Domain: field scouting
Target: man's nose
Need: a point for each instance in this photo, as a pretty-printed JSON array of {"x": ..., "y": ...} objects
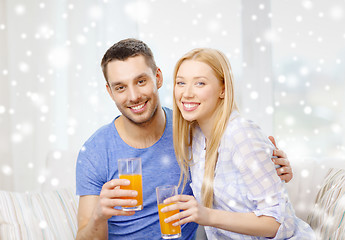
[{"x": 134, "y": 94}]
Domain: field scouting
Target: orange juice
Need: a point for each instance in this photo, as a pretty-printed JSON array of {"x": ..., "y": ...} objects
[
  {"x": 136, "y": 184},
  {"x": 168, "y": 228}
]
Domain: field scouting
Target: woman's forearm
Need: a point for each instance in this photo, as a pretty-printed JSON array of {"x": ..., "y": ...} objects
[{"x": 243, "y": 223}]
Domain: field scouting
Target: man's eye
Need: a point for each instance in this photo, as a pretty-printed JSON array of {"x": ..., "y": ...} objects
[
  {"x": 119, "y": 88},
  {"x": 141, "y": 81}
]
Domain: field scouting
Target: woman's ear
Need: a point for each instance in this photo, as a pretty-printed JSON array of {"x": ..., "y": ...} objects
[{"x": 222, "y": 93}]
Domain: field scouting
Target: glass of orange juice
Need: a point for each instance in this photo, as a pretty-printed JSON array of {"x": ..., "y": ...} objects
[
  {"x": 167, "y": 229},
  {"x": 130, "y": 168}
]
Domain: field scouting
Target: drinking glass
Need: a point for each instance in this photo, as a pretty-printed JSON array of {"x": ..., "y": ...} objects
[
  {"x": 130, "y": 168},
  {"x": 167, "y": 229}
]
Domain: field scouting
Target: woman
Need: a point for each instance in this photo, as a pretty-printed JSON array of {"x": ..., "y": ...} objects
[{"x": 238, "y": 194}]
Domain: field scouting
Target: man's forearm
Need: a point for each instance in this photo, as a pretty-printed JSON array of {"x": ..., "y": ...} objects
[{"x": 93, "y": 230}]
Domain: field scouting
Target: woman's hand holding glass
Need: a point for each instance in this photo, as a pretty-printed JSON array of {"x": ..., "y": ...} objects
[{"x": 193, "y": 211}]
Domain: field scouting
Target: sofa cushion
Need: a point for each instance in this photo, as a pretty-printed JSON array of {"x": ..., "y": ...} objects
[
  {"x": 45, "y": 215},
  {"x": 327, "y": 218}
]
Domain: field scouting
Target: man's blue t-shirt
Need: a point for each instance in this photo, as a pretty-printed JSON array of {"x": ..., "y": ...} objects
[{"x": 97, "y": 164}]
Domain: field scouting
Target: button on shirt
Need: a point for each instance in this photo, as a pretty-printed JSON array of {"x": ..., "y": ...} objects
[{"x": 246, "y": 180}]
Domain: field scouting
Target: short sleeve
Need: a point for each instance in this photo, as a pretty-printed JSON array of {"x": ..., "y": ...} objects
[{"x": 90, "y": 172}]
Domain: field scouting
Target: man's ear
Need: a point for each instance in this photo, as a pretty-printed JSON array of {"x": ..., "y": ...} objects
[
  {"x": 109, "y": 91},
  {"x": 159, "y": 78}
]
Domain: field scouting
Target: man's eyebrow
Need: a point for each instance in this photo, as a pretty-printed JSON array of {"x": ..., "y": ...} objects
[
  {"x": 141, "y": 76},
  {"x": 113, "y": 84}
]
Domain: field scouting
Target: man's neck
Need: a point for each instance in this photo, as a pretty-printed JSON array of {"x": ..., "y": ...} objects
[{"x": 144, "y": 135}]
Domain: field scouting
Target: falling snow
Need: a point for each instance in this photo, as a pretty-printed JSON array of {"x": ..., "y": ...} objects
[{"x": 55, "y": 95}]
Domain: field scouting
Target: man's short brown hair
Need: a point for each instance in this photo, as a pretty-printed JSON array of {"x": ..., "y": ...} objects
[{"x": 125, "y": 49}]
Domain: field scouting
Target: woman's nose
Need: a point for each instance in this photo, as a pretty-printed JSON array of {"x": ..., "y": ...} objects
[{"x": 188, "y": 91}]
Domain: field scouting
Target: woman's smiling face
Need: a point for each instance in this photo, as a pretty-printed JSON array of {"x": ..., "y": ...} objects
[{"x": 197, "y": 91}]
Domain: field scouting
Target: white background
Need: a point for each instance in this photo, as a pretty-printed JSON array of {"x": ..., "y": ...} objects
[{"x": 287, "y": 57}]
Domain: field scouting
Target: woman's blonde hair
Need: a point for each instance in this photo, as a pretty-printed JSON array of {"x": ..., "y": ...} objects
[{"x": 183, "y": 129}]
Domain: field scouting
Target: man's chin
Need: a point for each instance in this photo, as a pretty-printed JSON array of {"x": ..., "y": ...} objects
[{"x": 140, "y": 122}]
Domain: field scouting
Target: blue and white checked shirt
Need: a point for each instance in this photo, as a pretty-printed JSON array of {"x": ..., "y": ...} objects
[{"x": 246, "y": 180}]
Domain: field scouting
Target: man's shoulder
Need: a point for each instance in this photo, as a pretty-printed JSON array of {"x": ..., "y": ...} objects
[
  {"x": 102, "y": 134},
  {"x": 168, "y": 111}
]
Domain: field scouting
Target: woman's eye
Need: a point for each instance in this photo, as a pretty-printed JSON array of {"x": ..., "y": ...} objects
[
  {"x": 180, "y": 83},
  {"x": 199, "y": 83}
]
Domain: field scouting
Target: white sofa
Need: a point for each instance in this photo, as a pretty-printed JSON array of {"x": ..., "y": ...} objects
[
  {"x": 45, "y": 215},
  {"x": 52, "y": 214}
]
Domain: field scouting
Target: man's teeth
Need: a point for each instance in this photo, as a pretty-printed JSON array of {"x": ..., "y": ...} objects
[{"x": 138, "y": 107}]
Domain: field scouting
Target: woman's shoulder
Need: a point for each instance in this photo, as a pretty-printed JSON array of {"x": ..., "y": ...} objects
[
  {"x": 238, "y": 124},
  {"x": 198, "y": 139},
  {"x": 240, "y": 129}
]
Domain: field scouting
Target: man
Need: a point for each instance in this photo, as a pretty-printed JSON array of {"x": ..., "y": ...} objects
[{"x": 144, "y": 129}]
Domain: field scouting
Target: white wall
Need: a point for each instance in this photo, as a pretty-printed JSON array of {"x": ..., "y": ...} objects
[
  {"x": 6, "y": 175},
  {"x": 52, "y": 93}
]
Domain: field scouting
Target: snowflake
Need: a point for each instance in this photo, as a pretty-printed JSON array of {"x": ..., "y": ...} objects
[
  {"x": 254, "y": 95},
  {"x": 81, "y": 39},
  {"x": 268, "y": 200},
  {"x": 269, "y": 110},
  {"x": 336, "y": 128},
  {"x": 232, "y": 203},
  {"x": 59, "y": 57},
  {"x": 305, "y": 173},
  {"x": 307, "y": 4},
  {"x": 2, "y": 109},
  {"x": 139, "y": 11},
  {"x": 44, "y": 31},
  {"x": 24, "y": 67},
  {"x": 307, "y": 110},
  {"x": 336, "y": 13},
  {"x": 20, "y": 9},
  {"x": 299, "y": 18},
  {"x": 165, "y": 160},
  {"x": 71, "y": 131},
  {"x": 17, "y": 137},
  {"x": 7, "y": 170},
  {"x": 289, "y": 120},
  {"x": 41, "y": 179},
  {"x": 95, "y": 12},
  {"x": 281, "y": 79},
  {"x": 213, "y": 26},
  {"x": 54, "y": 182},
  {"x": 52, "y": 138},
  {"x": 43, "y": 224},
  {"x": 57, "y": 154}
]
